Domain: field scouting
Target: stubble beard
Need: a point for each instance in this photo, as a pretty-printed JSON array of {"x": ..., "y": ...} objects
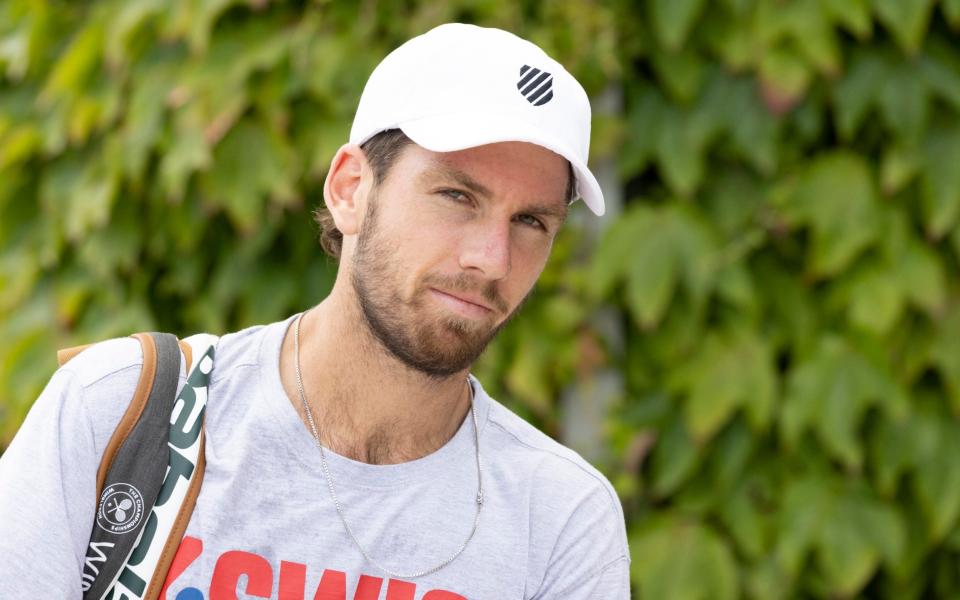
[{"x": 436, "y": 346}]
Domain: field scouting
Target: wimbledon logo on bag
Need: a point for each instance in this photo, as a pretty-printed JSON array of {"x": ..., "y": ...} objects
[{"x": 121, "y": 508}]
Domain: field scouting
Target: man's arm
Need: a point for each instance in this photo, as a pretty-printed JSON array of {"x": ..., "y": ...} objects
[
  {"x": 589, "y": 559},
  {"x": 47, "y": 488},
  {"x": 612, "y": 582},
  {"x": 48, "y": 474}
]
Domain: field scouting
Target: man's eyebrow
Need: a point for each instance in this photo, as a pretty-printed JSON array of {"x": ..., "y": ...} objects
[
  {"x": 448, "y": 172},
  {"x": 548, "y": 210},
  {"x": 445, "y": 171}
]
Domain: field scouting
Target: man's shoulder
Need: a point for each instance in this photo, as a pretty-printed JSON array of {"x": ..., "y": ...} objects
[
  {"x": 102, "y": 360},
  {"x": 576, "y": 524},
  {"x": 549, "y": 462},
  {"x": 240, "y": 349}
]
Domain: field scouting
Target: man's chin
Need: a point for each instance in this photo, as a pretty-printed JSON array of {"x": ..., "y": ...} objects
[{"x": 451, "y": 350}]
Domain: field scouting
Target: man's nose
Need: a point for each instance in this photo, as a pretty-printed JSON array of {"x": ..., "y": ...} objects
[{"x": 486, "y": 248}]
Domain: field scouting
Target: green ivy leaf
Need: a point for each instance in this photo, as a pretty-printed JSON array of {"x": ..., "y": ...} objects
[
  {"x": 946, "y": 356},
  {"x": 748, "y": 525},
  {"x": 673, "y": 20},
  {"x": 876, "y": 300},
  {"x": 18, "y": 145},
  {"x": 922, "y": 277},
  {"x": 785, "y": 75},
  {"x": 680, "y": 146},
  {"x": 940, "y": 68},
  {"x": 896, "y": 447},
  {"x": 124, "y": 25},
  {"x": 617, "y": 249},
  {"x": 857, "y": 92},
  {"x": 78, "y": 63},
  {"x": 854, "y": 15},
  {"x": 526, "y": 376},
  {"x": 681, "y": 73},
  {"x": 144, "y": 121},
  {"x": 250, "y": 163},
  {"x": 734, "y": 44},
  {"x": 937, "y": 479},
  {"x": 830, "y": 394},
  {"x": 652, "y": 279},
  {"x": 808, "y": 24},
  {"x": 835, "y": 197},
  {"x": 907, "y": 21},
  {"x": 847, "y": 530},
  {"x": 734, "y": 104},
  {"x": 859, "y": 533},
  {"x": 675, "y": 248},
  {"x": 951, "y": 9},
  {"x": 681, "y": 559},
  {"x": 903, "y": 101},
  {"x": 804, "y": 509},
  {"x": 643, "y": 117},
  {"x": 675, "y": 458},
  {"x": 940, "y": 179},
  {"x": 187, "y": 153},
  {"x": 898, "y": 167},
  {"x": 717, "y": 384}
]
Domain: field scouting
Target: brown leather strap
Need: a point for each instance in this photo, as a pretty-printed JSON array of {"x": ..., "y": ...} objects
[
  {"x": 64, "y": 355},
  {"x": 179, "y": 526},
  {"x": 134, "y": 410},
  {"x": 187, "y": 355}
]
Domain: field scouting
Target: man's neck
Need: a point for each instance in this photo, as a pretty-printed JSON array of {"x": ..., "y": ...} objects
[{"x": 366, "y": 404}]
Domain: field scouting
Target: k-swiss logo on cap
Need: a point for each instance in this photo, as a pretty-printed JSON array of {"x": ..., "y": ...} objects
[{"x": 535, "y": 85}]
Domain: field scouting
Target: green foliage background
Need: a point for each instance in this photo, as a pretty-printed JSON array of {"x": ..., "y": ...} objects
[{"x": 785, "y": 270}]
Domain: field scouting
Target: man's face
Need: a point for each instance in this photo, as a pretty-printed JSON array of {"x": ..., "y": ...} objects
[{"x": 450, "y": 246}]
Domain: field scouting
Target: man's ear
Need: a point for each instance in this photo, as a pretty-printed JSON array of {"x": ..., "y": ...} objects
[{"x": 345, "y": 189}]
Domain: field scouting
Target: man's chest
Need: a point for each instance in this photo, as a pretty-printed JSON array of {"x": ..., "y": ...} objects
[{"x": 254, "y": 534}]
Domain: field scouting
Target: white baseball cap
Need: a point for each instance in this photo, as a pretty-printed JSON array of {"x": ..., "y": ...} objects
[{"x": 459, "y": 86}]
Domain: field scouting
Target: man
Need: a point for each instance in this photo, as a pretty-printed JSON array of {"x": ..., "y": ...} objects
[{"x": 349, "y": 453}]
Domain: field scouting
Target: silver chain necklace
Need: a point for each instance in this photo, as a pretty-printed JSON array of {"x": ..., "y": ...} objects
[{"x": 333, "y": 493}]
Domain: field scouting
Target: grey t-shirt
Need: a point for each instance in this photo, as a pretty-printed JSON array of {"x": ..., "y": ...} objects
[{"x": 264, "y": 524}]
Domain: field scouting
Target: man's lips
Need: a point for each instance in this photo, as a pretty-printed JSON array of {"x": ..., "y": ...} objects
[{"x": 467, "y": 304}]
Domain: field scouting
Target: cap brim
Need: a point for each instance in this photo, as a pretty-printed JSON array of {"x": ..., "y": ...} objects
[{"x": 449, "y": 133}]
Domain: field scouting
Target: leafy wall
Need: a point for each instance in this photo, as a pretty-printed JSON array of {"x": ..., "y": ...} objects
[{"x": 785, "y": 269}]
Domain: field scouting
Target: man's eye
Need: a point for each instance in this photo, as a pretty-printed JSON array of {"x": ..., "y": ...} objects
[
  {"x": 532, "y": 221},
  {"x": 455, "y": 195}
]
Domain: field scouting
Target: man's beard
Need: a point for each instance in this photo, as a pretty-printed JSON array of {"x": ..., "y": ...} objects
[{"x": 437, "y": 346}]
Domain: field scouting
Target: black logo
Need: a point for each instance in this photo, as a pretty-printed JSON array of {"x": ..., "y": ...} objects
[{"x": 535, "y": 85}]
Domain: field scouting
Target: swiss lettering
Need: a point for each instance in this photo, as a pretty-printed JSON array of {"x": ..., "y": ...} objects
[
  {"x": 400, "y": 590},
  {"x": 188, "y": 551},
  {"x": 442, "y": 595},
  {"x": 293, "y": 577},
  {"x": 231, "y": 565},
  {"x": 333, "y": 586},
  {"x": 234, "y": 564},
  {"x": 368, "y": 588}
]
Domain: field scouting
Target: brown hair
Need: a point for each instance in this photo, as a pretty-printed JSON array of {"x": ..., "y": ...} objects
[{"x": 381, "y": 151}]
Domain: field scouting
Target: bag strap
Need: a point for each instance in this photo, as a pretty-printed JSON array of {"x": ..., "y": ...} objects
[
  {"x": 133, "y": 466},
  {"x": 130, "y": 552},
  {"x": 144, "y": 573},
  {"x": 135, "y": 409}
]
